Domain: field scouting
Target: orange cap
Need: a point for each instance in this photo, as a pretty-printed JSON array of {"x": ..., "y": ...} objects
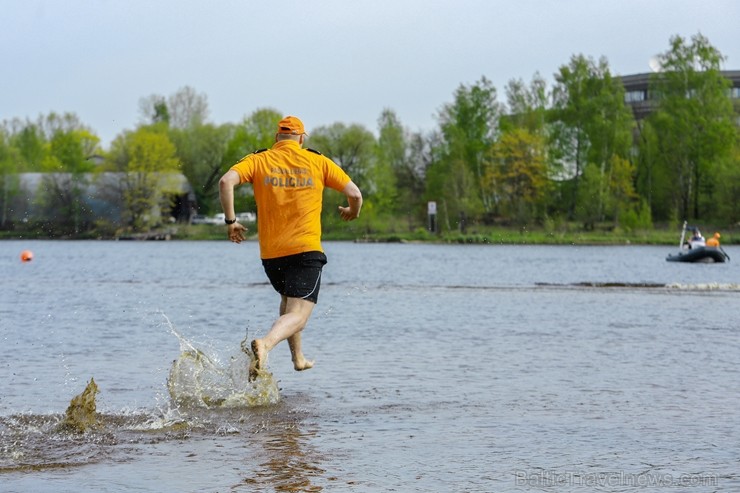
[
  {"x": 716, "y": 235},
  {"x": 291, "y": 125}
]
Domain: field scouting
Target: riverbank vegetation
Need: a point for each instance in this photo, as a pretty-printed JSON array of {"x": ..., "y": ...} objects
[
  {"x": 567, "y": 163},
  {"x": 571, "y": 234}
]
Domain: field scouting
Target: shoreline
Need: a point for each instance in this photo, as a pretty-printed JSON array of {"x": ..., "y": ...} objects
[{"x": 663, "y": 237}]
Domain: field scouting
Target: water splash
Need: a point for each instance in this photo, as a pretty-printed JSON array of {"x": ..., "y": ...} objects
[
  {"x": 81, "y": 413},
  {"x": 197, "y": 380}
]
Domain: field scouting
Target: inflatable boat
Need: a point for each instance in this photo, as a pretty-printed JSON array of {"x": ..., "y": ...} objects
[
  {"x": 695, "y": 249},
  {"x": 703, "y": 254}
]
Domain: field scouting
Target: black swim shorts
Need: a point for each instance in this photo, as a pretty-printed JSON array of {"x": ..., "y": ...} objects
[{"x": 296, "y": 276}]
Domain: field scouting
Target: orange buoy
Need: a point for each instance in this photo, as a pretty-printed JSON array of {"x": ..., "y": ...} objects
[{"x": 26, "y": 256}]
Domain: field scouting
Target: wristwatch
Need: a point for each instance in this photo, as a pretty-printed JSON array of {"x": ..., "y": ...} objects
[{"x": 229, "y": 221}]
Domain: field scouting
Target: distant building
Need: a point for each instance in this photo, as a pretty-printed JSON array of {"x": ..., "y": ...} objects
[
  {"x": 101, "y": 194},
  {"x": 637, "y": 92}
]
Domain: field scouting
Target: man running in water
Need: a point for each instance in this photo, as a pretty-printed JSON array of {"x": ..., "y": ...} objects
[{"x": 288, "y": 184}]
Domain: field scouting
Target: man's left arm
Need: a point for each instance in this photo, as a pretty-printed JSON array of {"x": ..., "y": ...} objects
[{"x": 354, "y": 199}]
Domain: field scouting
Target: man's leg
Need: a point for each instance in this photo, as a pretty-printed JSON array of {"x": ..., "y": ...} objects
[
  {"x": 294, "y": 316},
  {"x": 300, "y": 362}
]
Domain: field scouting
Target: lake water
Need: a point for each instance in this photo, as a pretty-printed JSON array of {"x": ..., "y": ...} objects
[{"x": 439, "y": 368}]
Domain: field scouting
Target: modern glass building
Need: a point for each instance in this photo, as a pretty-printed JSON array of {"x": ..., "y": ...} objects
[{"x": 637, "y": 92}]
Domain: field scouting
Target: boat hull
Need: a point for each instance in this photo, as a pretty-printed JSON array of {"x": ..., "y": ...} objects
[{"x": 699, "y": 255}]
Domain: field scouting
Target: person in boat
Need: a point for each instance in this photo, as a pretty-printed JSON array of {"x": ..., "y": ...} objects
[
  {"x": 697, "y": 240},
  {"x": 288, "y": 183},
  {"x": 713, "y": 241}
]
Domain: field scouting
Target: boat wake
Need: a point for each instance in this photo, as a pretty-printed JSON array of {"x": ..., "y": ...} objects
[
  {"x": 711, "y": 286},
  {"x": 728, "y": 287}
]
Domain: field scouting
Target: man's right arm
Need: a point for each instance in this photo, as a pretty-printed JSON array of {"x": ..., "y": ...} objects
[{"x": 226, "y": 194}]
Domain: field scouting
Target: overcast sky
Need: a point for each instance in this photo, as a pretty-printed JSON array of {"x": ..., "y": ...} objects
[{"x": 324, "y": 61}]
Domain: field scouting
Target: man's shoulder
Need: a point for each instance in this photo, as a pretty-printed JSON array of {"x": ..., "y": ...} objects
[
  {"x": 314, "y": 151},
  {"x": 257, "y": 151}
]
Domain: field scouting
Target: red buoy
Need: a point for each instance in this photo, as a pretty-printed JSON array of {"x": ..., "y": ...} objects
[{"x": 26, "y": 256}]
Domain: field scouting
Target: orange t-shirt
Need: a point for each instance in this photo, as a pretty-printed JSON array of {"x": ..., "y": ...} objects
[{"x": 288, "y": 184}]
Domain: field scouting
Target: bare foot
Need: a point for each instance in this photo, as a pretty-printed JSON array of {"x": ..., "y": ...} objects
[
  {"x": 259, "y": 362},
  {"x": 302, "y": 363}
]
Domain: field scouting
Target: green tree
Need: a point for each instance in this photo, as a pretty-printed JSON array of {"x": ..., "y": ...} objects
[
  {"x": 72, "y": 149},
  {"x": 201, "y": 149},
  {"x": 590, "y": 125},
  {"x": 153, "y": 109},
  {"x": 353, "y": 149},
  {"x": 9, "y": 182},
  {"x": 402, "y": 158},
  {"x": 693, "y": 125},
  {"x": 647, "y": 174},
  {"x": 389, "y": 164},
  {"x": 350, "y": 146},
  {"x": 256, "y": 131},
  {"x": 727, "y": 195},
  {"x": 144, "y": 159},
  {"x": 413, "y": 180},
  {"x": 411, "y": 155},
  {"x": 522, "y": 151},
  {"x": 261, "y": 126},
  {"x": 469, "y": 126},
  {"x": 569, "y": 146},
  {"x": 60, "y": 146},
  {"x": 449, "y": 182},
  {"x": 30, "y": 143},
  {"x": 517, "y": 174},
  {"x": 623, "y": 198},
  {"x": 526, "y": 105},
  {"x": 65, "y": 182}
]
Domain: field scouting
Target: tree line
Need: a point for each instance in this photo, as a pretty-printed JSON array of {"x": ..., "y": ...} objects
[{"x": 545, "y": 156}]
